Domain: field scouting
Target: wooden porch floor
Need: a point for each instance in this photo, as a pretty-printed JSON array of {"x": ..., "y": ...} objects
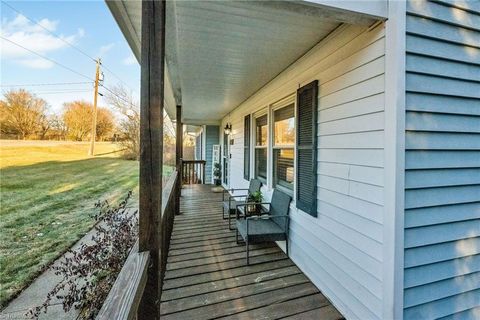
[{"x": 207, "y": 278}]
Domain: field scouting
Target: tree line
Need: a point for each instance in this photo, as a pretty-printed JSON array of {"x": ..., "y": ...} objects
[{"x": 23, "y": 115}]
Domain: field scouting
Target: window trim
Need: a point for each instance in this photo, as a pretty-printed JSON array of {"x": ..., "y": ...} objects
[
  {"x": 280, "y": 104},
  {"x": 257, "y": 115},
  {"x": 247, "y": 144}
]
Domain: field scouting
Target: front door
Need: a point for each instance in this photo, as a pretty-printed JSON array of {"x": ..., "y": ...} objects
[{"x": 226, "y": 158}]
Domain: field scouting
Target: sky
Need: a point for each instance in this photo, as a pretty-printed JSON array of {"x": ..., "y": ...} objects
[{"x": 88, "y": 25}]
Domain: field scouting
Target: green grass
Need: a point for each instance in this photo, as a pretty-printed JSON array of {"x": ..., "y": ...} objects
[{"x": 47, "y": 192}]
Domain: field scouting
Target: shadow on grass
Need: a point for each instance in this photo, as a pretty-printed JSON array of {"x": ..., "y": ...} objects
[
  {"x": 111, "y": 152},
  {"x": 45, "y": 209}
]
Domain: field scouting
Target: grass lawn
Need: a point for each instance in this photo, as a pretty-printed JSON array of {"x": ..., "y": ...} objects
[{"x": 48, "y": 190}]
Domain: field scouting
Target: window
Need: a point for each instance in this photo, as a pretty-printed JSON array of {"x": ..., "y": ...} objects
[
  {"x": 284, "y": 148},
  {"x": 246, "y": 148},
  {"x": 261, "y": 135}
]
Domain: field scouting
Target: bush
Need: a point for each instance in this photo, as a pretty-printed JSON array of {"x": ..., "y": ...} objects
[{"x": 89, "y": 272}]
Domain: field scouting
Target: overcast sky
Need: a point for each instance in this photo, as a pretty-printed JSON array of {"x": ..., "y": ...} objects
[{"x": 89, "y": 25}]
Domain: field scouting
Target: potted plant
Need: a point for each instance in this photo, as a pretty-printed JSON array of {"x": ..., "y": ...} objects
[
  {"x": 257, "y": 198},
  {"x": 217, "y": 174}
]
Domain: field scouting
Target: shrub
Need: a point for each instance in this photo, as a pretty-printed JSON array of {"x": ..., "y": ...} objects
[{"x": 89, "y": 272}]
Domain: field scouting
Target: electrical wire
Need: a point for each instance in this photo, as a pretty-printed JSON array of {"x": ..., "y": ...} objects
[
  {"x": 49, "y": 31},
  {"x": 45, "y": 84},
  {"x": 59, "y": 92},
  {"x": 116, "y": 95},
  {"x": 67, "y": 42},
  {"x": 64, "y": 90},
  {"x": 46, "y": 58},
  {"x": 117, "y": 77}
]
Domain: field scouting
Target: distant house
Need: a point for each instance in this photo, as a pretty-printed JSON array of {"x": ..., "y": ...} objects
[{"x": 367, "y": 113}]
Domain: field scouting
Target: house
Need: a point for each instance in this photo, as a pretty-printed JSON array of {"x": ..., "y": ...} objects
[
  {"x": 366, "y": 112},
  {"x": 206, "y": 136}
]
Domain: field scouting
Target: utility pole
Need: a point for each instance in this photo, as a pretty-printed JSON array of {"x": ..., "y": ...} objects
[{"x": 94, "y": 116}]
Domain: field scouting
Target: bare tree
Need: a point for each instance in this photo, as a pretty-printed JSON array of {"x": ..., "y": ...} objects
[
  {"x": 58, "y": 127},
  {"x": 21, "y": 113},
  {"x": 44, "y": 125},
  {"x": 129, "y": 125}
]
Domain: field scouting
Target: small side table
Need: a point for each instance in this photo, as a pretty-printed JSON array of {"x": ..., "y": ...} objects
[{"x": 244, "y": 214}]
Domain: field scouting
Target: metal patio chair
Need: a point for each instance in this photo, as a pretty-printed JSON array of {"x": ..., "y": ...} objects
[
  {"x": 230, "y": 203},
  {"x": 272, "y": 226}
]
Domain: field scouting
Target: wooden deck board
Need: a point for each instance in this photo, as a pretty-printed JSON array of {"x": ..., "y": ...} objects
[{"x": 207, "y": 278}]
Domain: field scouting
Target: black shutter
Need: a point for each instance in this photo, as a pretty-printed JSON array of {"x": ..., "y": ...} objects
[
  {"x": 307, "y": 102},
  {"x": 246, "y": 148}
]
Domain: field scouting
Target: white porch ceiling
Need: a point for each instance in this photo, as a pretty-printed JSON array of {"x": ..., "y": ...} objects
[{"x": 219, "y": 53}]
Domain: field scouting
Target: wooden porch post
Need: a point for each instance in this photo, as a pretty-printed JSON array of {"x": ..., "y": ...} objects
[
  {"x": 151, "y": 151},
  {"x": 178, "y": 160}
]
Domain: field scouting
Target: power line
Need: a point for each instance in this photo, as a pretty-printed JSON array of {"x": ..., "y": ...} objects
[
  {"x": 116, "y": 95},
  {"x": 45, "y": 84},
  {"x": 68, "y": 43},
  {"x": 42, "y": 56},
  {"x": 118, "y": 78},
  {"x": 49, "y": 31},
  {"x": 59, "y": 92},
  {"x": 64, "y": 90}
]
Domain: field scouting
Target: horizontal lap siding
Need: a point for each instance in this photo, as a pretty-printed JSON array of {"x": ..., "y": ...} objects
[
  {"x": 211, "y": 137},
  {"x": 442, "y": 178},
  {"x": 341, "y": 250}
]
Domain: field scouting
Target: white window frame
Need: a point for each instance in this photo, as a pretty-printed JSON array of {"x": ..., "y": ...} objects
[
  {"x": 282, "y": 103},
  {"x": 255, "y": 116}
]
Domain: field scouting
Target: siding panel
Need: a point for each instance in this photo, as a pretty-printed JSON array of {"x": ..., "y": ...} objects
[
  {"x": 442, "y": 178},
  {"x": 211, "y": 138},
  {"x": 460, "y": 304},
  {"x": 341, "y": 250}
]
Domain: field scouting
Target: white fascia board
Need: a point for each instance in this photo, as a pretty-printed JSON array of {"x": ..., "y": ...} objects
[
  {"x": 377, "y": 9},
  {"x": 121, "y": 16}
]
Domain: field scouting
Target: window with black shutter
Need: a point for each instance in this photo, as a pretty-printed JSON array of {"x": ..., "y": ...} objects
[
  {"x": 246, "y": 148},
  {"x": 306, "y": 182},
  {"x": 261, "y": 148}
]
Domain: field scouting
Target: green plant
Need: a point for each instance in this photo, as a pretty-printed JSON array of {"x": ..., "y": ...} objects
[
  {"x": 256, "y": 197},
  {"x": 217, "y": 170}
]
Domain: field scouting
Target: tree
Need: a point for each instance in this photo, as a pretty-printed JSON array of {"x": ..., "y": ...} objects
[
  {"x": 77, "y": 117},
  {"x": 21, "y": 113},
  {"x": 129, "y": 125},
  {"x": 58, "y": 128},
  {"x": 45, "y": 125},
  {"x": 105, "y": 123}
]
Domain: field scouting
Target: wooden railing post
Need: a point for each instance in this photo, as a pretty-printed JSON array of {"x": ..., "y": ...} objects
[
  {"x": 151, "y": 151},
  {"x": 193, "y": 171}
]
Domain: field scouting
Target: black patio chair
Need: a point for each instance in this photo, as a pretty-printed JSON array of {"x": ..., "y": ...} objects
[
  {"x": 230, "y": 203},
  {"x": 272, "y": 226}
]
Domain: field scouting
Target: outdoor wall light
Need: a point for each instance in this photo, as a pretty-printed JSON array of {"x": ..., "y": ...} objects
[{"x": 228, "y": 128}]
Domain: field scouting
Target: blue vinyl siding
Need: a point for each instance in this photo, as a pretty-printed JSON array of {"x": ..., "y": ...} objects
[
  {"x": 211, "y": 138},
  {"x": 442, "y": 160},
  {"x": 198, "y": 147}
]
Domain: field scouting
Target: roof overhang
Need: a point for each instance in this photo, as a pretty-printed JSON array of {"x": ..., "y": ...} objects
[{"x": 218, "y": 53}]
